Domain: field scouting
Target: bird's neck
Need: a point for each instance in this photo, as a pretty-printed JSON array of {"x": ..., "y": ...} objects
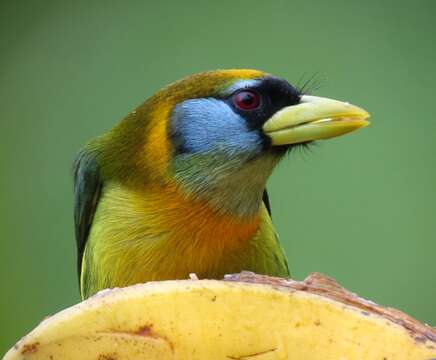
[{"x": 231, "y": 186}]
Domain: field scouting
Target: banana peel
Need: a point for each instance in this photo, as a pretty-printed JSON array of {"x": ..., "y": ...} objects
[{"x": 243, "y": 317}]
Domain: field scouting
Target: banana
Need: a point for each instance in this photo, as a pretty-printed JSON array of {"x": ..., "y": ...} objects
[{"x": 243, "y": 317}]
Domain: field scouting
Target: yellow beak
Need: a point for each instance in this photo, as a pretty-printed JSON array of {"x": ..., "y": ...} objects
[{"x": 314, "y": 118}]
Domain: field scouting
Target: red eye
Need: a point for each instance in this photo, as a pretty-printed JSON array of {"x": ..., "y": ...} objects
[{"x": 246, "y": 100}]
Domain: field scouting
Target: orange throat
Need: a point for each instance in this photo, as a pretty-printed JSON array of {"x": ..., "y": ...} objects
[{"x": 195, "y": 221}]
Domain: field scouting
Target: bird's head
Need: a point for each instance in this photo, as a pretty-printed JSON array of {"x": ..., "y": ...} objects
[{"x": 218, "y": 135}]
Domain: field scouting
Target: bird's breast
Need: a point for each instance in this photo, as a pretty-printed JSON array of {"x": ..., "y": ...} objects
[{"x": 159, "y": 234}]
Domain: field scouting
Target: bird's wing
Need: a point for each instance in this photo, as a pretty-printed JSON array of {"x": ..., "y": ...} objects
[
  {"x": 87, "y": 188},
  {"x": 265, "y": 199}
]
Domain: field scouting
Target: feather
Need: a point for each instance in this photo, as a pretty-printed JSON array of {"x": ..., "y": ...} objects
[{"x": 87, "y": 189}]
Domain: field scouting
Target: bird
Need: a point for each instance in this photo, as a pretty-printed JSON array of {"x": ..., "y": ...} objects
[{"x": 179, "y": 185}]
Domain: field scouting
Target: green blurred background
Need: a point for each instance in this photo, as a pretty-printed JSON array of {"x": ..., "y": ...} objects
[{"x": 360, "y": 208}]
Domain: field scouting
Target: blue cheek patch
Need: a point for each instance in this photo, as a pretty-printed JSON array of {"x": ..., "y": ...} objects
[{"x": 204, "y": 125}]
